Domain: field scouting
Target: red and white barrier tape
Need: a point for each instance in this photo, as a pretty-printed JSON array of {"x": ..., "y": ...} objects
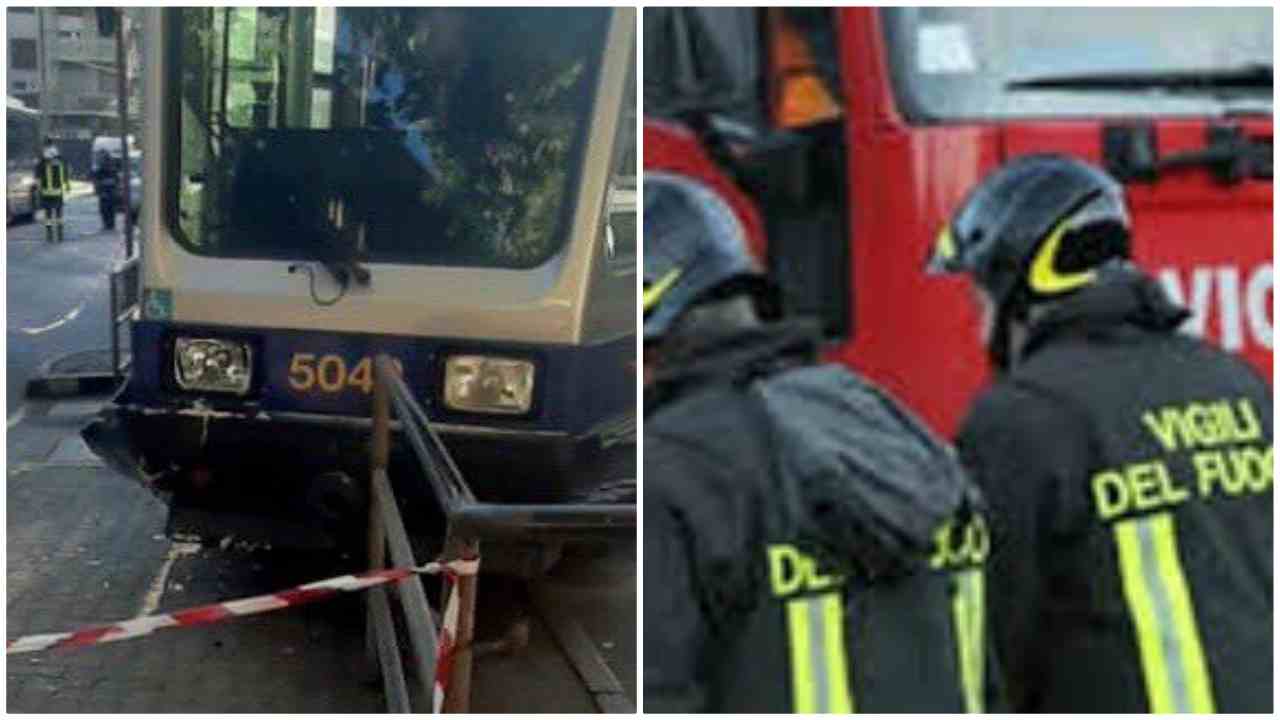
[
  {"x": 446, "y": 643},
  {"x": 218, "y": 612}
]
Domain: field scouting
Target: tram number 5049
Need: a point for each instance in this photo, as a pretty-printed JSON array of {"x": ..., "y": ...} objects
[{"x": 330, "y": 374}]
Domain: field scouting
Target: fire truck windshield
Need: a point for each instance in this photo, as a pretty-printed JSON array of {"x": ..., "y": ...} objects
[
  {"x": 402, "y": 135},
  {"x": 953, "y": 63}
]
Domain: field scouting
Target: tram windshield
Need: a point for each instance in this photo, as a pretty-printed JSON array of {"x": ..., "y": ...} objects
[{"x": 435, "y": 136}]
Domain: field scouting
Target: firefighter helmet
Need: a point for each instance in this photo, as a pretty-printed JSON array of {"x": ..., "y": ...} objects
[
  {"x": 1036, "y": 229},
  {"x": 693, "y": 245}
]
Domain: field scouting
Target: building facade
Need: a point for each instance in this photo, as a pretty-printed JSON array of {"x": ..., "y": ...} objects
[{"x": 59, "y": 64}]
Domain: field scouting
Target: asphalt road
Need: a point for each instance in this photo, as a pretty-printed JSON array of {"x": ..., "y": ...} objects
[
  {"x": 57, "y": 294},
  {"x": 86, "y": 546}
]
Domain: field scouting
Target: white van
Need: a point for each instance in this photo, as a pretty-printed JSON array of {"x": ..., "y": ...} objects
[{"x": 110, "y": 144}]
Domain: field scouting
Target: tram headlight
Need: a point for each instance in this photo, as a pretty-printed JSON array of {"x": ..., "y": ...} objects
[
  {"x": 213, "y": 365},
  {"x": 477, "y": 383}
]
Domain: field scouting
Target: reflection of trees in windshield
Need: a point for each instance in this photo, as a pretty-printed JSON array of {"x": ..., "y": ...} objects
[
  {"x": 498, "y": 116},
  {"x": 479, "y": 116}
]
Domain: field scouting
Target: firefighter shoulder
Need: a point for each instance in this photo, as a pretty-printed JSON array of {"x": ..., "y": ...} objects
[
  {"x": 1129, "y": 471},
  {"x": 807, "y": 546}
]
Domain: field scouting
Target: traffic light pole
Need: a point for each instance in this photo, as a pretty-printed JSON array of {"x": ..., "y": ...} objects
[
  {"x": 46, "y": 100},
  {"x": 122, "y": 86}
]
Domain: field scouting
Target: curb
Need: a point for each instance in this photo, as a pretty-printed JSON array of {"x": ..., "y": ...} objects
[
  {"x": 61, "y": 386},
  {"x": 48, "y": 383}
]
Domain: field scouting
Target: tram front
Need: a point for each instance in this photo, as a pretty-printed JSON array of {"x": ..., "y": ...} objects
[{"x": 442, "y": 185}]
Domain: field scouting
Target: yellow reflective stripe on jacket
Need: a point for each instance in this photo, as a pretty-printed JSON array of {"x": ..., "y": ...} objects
[
  {"x": 1173, "y": 663},
  {"x": 968, "y": 609},
  {"x": 819, "y": 663},
  {"x": 52, "y": 186}
]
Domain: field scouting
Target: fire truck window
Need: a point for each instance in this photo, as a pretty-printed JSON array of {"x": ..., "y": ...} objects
[
  {"x": 703, "y": 61},
  {"x": 955, "y": 63}
]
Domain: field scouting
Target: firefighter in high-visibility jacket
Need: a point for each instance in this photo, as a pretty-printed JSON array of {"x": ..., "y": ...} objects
[
  {"x": 51, "y": 175},
  {"x": 1127, "y": 466},
  {"x": 808, "y": 545}
]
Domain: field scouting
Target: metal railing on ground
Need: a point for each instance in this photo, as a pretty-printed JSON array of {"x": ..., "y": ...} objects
[{"x": 468, "y": 521}]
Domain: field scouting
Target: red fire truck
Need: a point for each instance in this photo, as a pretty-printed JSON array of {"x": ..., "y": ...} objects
[{"x": 845, "y": 137}]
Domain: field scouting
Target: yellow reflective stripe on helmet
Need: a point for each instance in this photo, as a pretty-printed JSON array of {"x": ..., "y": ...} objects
[
  {"x": 654, "y": 293},
  {"x": 1044, "y": 278},
  {"x": 819, "y": 663},
  {"x": 968, "y": 611},
  {"x": 945, "y": 246},
  {"x": 1155, "y": 587}
]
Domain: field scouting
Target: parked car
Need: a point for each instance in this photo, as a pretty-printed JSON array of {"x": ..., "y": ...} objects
[
  {"x": 22, "y": 145},
  {"x": 20, "y": 200}
]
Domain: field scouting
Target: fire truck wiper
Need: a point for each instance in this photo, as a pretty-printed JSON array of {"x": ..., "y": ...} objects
[{"x": 1253, "y": 76}]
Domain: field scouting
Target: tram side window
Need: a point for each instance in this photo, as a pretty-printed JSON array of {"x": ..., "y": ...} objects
[{"x": 407, "y": 135}]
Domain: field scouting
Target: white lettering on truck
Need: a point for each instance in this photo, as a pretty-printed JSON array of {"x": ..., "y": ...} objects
[{"x": 1237, "y": 311}]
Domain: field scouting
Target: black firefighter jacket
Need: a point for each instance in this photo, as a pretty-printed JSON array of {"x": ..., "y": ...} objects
[
  {"x": 808, "y": 547},
  {"x": 1128, "y": 470}
]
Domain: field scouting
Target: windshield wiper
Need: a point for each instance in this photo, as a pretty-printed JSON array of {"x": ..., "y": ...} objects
[
  {"x": 1254, "y": 76},
  {"x": 342, "y": 261},
  {"x": 345, "y": 268}
]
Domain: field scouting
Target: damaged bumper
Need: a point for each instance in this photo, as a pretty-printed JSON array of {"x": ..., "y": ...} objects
[
  {"x": 222, "y": 469},
  {"x": 151, "y": 443},
  {"x": 297, "y": 453}
]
